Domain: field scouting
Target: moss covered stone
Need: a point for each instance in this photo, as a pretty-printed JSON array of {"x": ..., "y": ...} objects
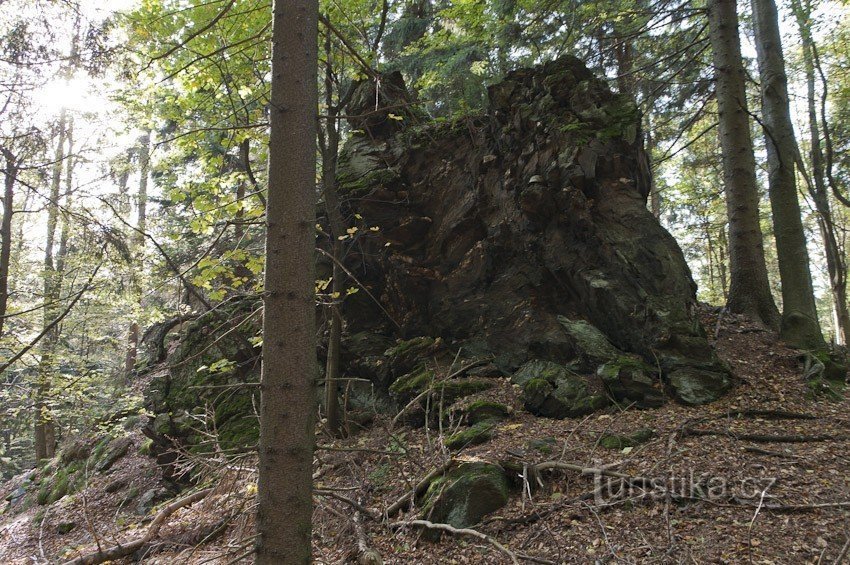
[
  {"x": 545, "y": 445},
  {"x": 615, "y": 441},
  {"x": 411, "y": 385},
  {"x": 694, "y": 386},
  {"x": 591, "y": 343},
  {"x": 567, "y": 397},
  {"x": 466, "y": 494},
  {"x": 482, "y": 410},
  {"x": 631, "y": 381},
  {"x": 478, "y": 433},
  {"x": 539, "y": 369}
]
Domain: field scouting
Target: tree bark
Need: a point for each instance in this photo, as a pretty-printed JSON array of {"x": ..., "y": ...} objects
[
  {"x": 749, "y": 291},
  {"x": 800, "y": 326},
  {"x": 11, "y": 174},
  {"x": 288, "y": 381}
]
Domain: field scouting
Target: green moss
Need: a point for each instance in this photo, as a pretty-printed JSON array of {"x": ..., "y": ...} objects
[
  {"x": 539, "y": 369},
  {"x": 473, "y": 435},
  {"x": 409, "y": 386},
  {"x": 544, "y": 445},
  {"x": 482, "y": 410},
  {"x": 146, "y": 446},
  {"x": 614, "y": 441},
  {"x": 403, "y": 347},
  {"x": 412, "y": 383},
  {"x": 466, "y": 494}
]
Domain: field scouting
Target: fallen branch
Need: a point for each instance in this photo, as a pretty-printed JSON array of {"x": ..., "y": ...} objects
[
  {"x": 124, "y": 549},
  {"x": 420, "y": 487},
  {"x": 353, "y": 503},
  {"x": 461, "y": 532},
  {"x": 766, "y": 438},
  {"x": 365, "y": 554}
]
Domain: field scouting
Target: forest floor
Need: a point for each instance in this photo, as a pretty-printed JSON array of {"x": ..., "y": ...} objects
[{"x": 760, "y": 476}]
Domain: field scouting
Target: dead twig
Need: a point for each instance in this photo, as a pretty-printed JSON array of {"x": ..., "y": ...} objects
[
  {"x": 459, "y": 532},
  {"x": 130, "y": 547},
  {"x": 396, "y": 506}
]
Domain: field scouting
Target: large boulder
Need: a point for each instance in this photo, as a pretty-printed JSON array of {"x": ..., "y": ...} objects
[{"x": 523, "y": 234}]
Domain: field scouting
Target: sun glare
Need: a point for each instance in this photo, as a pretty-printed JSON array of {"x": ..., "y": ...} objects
[{"x": 73, "y": 94}]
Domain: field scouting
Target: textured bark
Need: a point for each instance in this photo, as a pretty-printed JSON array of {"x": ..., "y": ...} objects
[
  {"x": 749, "y": 288},
  {"x": 288, "y": 381},
  {"x": 800, "y": 325},
  {"x": 835, "y": 261}
]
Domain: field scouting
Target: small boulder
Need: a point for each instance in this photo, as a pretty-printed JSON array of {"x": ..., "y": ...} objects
[
  {"x": 566, "y": 397},
  {"x": 116, "y": 450},
  {"x": 615, "y": 441},
  {"x": 630, "y": 381},
  {"x": 539, "y": 369},
  {"x": 694, "y": 386},
  {"x": 473, "y": 435},
  {"x": 466, "y": 494}
]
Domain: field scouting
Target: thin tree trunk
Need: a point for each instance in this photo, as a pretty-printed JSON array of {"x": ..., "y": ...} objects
[
  {"x": 330, "y": 157},
  {"x": 800, "y": 325},
  {"x": 43, "y": 420},
  {"x": 835, "y": 262},
  {"x": 131, "y": 354},
  {"x": 749, "y": 291},
  {"x": 11, "y": 174},
  {"x": 288, "y": 382}
]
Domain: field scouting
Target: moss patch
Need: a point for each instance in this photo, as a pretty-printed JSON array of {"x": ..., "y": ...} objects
[
  {"x": 614, "y": 441},
  {"x": 479, "y": 433},
  {"x": 466, "y": 494}
]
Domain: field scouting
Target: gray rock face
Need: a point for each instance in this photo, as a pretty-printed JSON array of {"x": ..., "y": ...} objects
[{"x": 494, "y": 230}]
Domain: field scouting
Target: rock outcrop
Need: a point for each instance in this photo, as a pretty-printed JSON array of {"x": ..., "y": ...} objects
[{"x": 522, "y": 235}]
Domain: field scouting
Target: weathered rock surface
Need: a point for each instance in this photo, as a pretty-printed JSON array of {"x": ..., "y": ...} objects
[{"x": 523, "y": 235}]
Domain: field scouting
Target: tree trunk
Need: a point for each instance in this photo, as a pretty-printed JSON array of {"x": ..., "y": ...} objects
[
  {"x": 288, "y": 382},
  {"x": 144, "y": 172},
  {"x": 835, "y": 262},
  {"x": 800, "y": 326},
  {"x": 43, "y": 420},
  {"x": 749, "y": 291},
  {"x": 11, "y": 174},
  {"x": 330, "y": 157}
]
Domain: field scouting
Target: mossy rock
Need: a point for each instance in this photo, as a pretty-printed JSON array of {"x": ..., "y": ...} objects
[
  {"x": 694, "y": 386},
  {"x": 117, "y": 449},
  {"x": 65, "y": 527},
  {"x": 615, "y": 441},
  {"x": 476, "y": 434},
  {"x": 482, "y": 410},
  {"x": 545, "y": 445},
  {"x": 591, "y": 344},
  {"x": 465, "y": 495},
  {"x": 408, "y": 386},
  {"x": 539, "y": 369},
  {"x": 630, "y": 381},
  {"x": 568, "y": 397},
  {"x": 411, "y": 385}
]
